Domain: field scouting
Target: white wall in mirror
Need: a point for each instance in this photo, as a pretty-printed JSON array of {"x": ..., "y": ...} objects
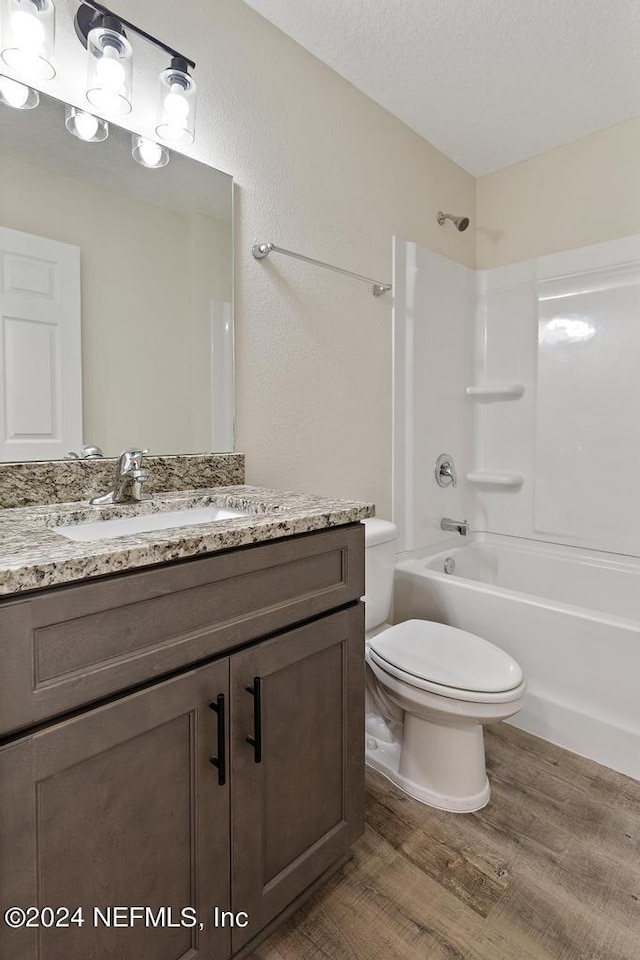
[{"x": 156, "y": 263}]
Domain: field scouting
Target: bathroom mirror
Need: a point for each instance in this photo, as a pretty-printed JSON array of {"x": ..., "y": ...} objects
[{"x": 140, "y": 260}]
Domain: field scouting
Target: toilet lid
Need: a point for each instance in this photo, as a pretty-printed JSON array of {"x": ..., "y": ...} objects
[{"x": 447, "y": 656}]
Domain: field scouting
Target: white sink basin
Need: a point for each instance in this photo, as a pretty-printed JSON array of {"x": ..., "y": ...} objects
[{"x": 127, "y": 526}]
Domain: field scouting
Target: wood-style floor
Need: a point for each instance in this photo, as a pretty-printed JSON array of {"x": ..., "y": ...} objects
[{"x": 549, "y": 870}]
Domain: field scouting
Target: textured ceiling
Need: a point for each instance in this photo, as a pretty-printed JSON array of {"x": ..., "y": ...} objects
[{"x": 488, "y": 82}]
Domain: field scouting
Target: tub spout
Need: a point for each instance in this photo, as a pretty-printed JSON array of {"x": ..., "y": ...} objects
[{"x": 455, "y": 526}]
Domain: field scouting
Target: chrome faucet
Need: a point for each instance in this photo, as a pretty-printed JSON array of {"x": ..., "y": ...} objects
[
  {"x": 455, "y": 526},
  {"x": 130, "y": 477},
  {"x": 88, "y": 452}
]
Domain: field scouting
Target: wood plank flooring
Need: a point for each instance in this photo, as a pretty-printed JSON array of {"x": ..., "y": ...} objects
[{"x": 549, "y": 870}]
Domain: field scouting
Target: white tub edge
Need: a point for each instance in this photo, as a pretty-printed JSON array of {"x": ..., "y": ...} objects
[{"x": 588, "y": 736}]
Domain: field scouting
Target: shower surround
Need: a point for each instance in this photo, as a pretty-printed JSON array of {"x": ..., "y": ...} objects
[{"x": 525, "y": 375}]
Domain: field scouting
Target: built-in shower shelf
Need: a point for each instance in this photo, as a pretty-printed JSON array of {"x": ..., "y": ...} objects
[
  {"x": 496, "y": 479},
  {"x": 496, "y": 391}
]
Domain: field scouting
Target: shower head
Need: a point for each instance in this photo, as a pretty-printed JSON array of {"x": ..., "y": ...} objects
[{"x": 460, "y": 223}]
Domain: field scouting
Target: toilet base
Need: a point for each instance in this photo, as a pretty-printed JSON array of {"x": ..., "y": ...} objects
[{"x": 387, "y": 759}]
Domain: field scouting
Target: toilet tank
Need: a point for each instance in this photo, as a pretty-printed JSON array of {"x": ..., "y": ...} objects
[{"x": 380, "y": 538}]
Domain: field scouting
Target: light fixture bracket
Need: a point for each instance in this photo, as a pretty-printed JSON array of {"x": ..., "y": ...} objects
[
  {"x": 87, "y": 18},
  {"x": 90, "y": 14},
  {"x": 179, "y": 63}
]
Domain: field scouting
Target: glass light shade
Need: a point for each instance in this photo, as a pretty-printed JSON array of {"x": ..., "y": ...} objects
[
  {"x": 177, "y": 116},
  {"x": 18, "y": 95},
  {"x": 28, "y": 31},
  {"x": 85, "y": 126},
  {"x": 110, "y": 71},
  {"x": 148, "y": 152}
]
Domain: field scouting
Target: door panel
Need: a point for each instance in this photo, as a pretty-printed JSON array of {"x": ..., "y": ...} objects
[
  {"x": 120, "y": 806},
  {"x": 292, "y": 740},
  {"x": 298, "y": 810},
  {"x": 40, "y": 358}
]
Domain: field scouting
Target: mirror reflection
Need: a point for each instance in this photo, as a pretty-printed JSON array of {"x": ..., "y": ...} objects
[{"x": 116, "y": 295}]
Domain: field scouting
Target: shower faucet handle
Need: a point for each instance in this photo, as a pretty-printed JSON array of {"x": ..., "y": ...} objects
[{"x": 446, "y": 475}]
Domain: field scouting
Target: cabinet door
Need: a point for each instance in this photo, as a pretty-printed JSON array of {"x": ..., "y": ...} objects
[
  {"x": 297, "y": 810},
  {"x": 120, "y": 807}
]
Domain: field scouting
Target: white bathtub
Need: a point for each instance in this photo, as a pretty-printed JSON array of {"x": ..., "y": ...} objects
[{"x": 571, "y": 618}]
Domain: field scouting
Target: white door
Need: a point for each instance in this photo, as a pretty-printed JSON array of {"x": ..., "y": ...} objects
[{"x": 40, "y": 357}]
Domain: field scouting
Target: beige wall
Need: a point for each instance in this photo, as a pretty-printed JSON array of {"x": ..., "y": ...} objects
[
  {"x": 585, "y": 192},
  {"x": 147, "y": 277},
  {"x": 322, "y": 169}
]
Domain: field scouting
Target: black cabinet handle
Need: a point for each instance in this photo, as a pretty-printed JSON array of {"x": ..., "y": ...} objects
[
  {"x": 256, "y": 739},
  {"x": 221, "y": 760}
]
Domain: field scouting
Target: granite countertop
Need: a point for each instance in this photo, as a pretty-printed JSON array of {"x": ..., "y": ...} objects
[{"x": 34, "y": 556}]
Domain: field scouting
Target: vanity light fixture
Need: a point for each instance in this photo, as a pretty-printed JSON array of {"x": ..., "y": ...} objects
[
  {"x": 28, "y": 31},
  {"x": 84, "y": 125},
  {"x": 177, "y": 118},
  {"x": 104, "y": 34},
  {"x": 110, "y": 61},
  {"x": 18, "y": 95},
  {"x": 148, "y": 153}
]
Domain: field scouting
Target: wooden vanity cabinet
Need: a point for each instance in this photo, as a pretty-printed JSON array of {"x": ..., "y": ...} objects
[{"x": 120, "y": 804}]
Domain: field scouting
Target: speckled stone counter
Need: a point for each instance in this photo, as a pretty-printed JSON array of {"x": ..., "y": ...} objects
[
  {"x": 33, "y": 555},
  {"x": 65, "y": 481}
]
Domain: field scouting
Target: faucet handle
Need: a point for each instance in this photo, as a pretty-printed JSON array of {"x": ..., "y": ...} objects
[
  {"x": 446, "y": 475},
  {"x": 131, "y": 459}
]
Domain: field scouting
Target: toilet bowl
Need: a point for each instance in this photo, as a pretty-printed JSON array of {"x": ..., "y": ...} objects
[{"x": 430, "y": 689}]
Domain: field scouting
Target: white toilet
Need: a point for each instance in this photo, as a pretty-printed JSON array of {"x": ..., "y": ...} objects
[{"x": 430, "y": 688}]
